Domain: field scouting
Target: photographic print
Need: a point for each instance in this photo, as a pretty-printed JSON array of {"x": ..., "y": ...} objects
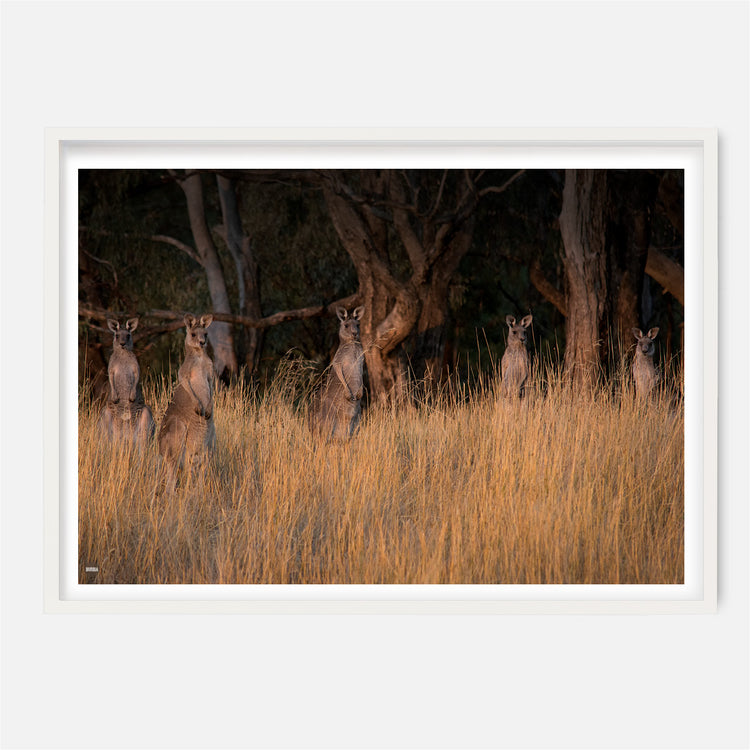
[{"x": 392, "y": 375}]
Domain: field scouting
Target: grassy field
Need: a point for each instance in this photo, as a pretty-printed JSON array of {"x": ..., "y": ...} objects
[{"x": 463, "y": 487}]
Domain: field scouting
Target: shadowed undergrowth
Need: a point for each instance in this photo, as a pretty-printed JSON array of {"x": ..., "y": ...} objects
[{"x": 460, "y": 487}]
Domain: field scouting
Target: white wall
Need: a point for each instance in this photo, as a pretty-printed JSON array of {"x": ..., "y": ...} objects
[{"x": 211, "y": 681}]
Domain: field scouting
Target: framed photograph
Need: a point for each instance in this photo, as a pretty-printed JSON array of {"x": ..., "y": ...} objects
[{"x": 419, "y": 370}]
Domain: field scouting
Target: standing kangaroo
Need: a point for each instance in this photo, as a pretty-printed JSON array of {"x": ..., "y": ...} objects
[
  {"x": 516, "y": 364},
  {"x": 338, "y": 410},
  {"x": 125, "y": 415},
  {"x": 644, "y": 373},
  {"x": 187, "y": 431}
]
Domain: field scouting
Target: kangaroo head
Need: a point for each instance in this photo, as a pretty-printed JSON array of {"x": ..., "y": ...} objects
[
  {"x": 123, "y": 336},
  {"x": 517, "y": 331},
  {"x": 196, "y": 336},
  {"x": 645, "y": 343},
  {"x": 349, "y": 327}
]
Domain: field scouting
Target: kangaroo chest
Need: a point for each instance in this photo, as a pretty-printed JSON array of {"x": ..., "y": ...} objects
[
  {"x": 196, "y": 375},
  {"x": 348, "y": 360},
  {"x": 123, "y": 369},
  {"x": 643, "y": 368},
  {"x": 516, "y": 359}
]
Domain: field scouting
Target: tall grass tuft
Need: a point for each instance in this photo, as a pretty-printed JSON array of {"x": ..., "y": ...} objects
[{"x": 458, "y": 487}]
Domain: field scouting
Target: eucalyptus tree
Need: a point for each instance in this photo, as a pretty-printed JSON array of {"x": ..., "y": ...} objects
[{"x": 406, "y": 232}]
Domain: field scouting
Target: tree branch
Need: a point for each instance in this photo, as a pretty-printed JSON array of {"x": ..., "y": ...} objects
[
  {"x": 330, "y": 180},
  {"x": 411, "y": 242},
  {"x": 501, "y": 188},
  {"x": 666, "y": 272},
  {"x": 355, "y": 236},
  {"x": 175, "y": 318},
  {"x": 153, "y": 237},
  {"x": 103, "y": 262},
  {"x": 431, "y": 214},
  {"x": 178, "y": 244},
  {"x": 546, "y": 288}
]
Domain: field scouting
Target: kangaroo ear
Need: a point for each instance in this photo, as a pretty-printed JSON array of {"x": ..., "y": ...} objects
[
  {"x": 510, "y": 320},
  {"x": 358, "y": 312},
  {"x": 189, "y": 320},
  {"x": 341, "y": 314},
  {"x": 206, "y": 320},
  {"x": 652, "y": 333},
  {"x": 113, "y": 325},
  {"x": 638, "y": 333},
  {"x": 526, "y": 322},
  {"x": 132, "y": 324}
]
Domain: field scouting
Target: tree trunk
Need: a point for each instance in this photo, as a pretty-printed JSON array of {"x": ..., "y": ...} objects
[
  {"x": 632, "y": 197},
  {"x": 248, "y": 283},
  {"x": 429, "y": 355},
  {"x": 583, "y": 229},
  {"x": 386, "y": 364},
  {"x": 220, "y": 334},
  {"x": 433, "y": 217},
  {"x": 391, "y": 308}
]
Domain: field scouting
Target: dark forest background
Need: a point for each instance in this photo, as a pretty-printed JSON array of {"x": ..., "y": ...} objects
[{"x": 438, "y": 258}]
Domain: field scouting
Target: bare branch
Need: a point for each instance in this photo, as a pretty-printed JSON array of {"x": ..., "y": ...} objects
[
  {"x": 431, "y": 214},
  {"x": 408, "y": 237},
  {"x": 546, "y": 288},
  {"x": 175, "y": 321},
  {"x": 440, "y": 236},
  {"x": 103, "y": 262},
  {"x": 153, "y": 237},
  {"x": 470, "y": 184},
  {"x": 501, "y": 188},
  {"x": 338, "y": 187},
  {"x": 666, "y": 272},
  {"x": 178, "y": 244},
  {"x": 357, "y": 239}
]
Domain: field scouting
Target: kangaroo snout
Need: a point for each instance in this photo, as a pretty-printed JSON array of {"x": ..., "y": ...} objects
[{"x": 349, "y": 330}]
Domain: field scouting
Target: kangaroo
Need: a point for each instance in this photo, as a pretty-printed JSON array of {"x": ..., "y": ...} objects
[
  {"x": 516, "y": 364},
  {"x": 644, "y": 373},
  {"x": 125, "y": 415},
  {"x": 187, "y": 432},
  {"x": 338, "y": 410}
]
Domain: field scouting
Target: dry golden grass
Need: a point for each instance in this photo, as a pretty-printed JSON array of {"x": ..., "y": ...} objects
[{"x": 458, "y": 488}]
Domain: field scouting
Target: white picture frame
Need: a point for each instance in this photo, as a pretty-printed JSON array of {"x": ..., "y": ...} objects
[{"x": 695, "y": 150}]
